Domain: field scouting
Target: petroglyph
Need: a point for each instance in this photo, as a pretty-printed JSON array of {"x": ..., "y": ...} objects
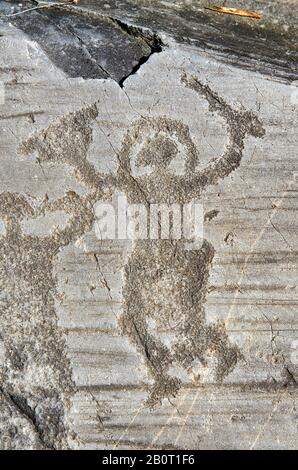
[
  {"x": 164, "y": 313},
  {"x": 37, "y": 377},
  {"x": 36, "y": 365},
  {"x": 158, "y": 139},
  {"x": 67, "y": 140},
  {"x": 165, "y": 285}
]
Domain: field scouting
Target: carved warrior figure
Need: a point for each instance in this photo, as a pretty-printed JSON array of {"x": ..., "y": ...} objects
[
  {"x": 163, "y": 304},
  {"x": 158, "y": 288}
]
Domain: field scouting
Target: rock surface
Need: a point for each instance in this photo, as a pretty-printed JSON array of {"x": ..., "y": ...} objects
[{"x": 156, "y": 344}]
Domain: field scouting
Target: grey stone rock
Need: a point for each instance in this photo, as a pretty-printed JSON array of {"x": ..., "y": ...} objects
[
  {"x": 83, "y": 45},
  {"x": 157, "y": 344}
]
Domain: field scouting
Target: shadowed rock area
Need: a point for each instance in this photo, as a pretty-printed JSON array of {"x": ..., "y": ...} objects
[{"x": 82, "y": 44}]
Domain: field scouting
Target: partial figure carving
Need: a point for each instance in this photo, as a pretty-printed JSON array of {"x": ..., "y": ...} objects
[{"x": 37, "y": 377}]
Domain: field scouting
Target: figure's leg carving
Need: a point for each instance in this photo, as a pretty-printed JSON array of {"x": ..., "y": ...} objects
[{"x": 164, "y": 313}]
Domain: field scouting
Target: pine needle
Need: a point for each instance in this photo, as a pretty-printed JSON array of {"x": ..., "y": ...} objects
[{"x": 235, "y": 11}]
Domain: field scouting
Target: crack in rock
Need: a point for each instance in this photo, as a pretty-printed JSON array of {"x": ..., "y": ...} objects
[
  {"x": 37, "y": 375},
  {"x": 87, "y": 45}
]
